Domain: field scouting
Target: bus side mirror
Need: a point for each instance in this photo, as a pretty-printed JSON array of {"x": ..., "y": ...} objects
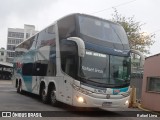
[
  {"x": 142, "y": 57},
  {"x": 80, "y": 44}
]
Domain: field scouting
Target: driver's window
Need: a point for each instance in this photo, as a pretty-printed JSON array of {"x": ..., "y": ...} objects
[
  {"x": 69, "y": 57},
  {"x": 68, "y": 65}
]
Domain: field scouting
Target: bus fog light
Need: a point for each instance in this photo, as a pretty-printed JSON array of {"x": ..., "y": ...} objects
[
  {"x": 80, "y": 100},
  {"x": 127, "y": 102}
]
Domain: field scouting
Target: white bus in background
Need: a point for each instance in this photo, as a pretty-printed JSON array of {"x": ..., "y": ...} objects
[{"x": 79, "y": 60}]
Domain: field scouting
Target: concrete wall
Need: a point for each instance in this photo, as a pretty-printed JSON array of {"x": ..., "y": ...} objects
[{"x": 151, "y": 69}]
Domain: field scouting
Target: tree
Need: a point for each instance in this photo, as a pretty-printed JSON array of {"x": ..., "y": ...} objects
[{"x": 138, "y": 40}]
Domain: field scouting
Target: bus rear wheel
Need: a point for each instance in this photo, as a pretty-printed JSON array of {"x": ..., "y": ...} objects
[{"x": 53, "y": 99}]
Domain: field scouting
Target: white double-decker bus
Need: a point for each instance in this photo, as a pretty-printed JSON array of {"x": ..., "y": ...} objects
[{"x": 79, "y": 60}]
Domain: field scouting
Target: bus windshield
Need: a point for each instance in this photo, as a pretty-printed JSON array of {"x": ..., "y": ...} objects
[
  {"x": 105, "y": 69},
  {"x": 102, "y": 30}
]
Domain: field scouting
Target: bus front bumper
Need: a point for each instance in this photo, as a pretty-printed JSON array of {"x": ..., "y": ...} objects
[{"x": 83, "y": 100}]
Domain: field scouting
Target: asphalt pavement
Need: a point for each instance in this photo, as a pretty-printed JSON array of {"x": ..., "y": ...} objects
[{"x": 11, "y": 101}]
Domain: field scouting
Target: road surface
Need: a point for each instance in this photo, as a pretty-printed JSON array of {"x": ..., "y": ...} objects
[{"x": 13, "y": 102}]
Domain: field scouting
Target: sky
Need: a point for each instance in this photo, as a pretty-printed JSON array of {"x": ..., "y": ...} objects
[{"x": 41, "y": 13}]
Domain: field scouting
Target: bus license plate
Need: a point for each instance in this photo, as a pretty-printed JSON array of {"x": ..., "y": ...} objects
[{"x": 106, "y": 104}]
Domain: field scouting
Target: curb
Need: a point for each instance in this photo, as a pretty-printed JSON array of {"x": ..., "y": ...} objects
[{"x": 141, "y": 108}]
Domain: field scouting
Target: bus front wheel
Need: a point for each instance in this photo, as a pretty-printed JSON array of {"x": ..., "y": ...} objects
[{"x": 44, "y": 95}]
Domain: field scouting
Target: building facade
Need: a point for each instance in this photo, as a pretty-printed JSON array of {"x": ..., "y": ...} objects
[
  {"x": 151, "y": 83},
  {"x": 15, "y": 37},
  {"x": 3, "y": 54}
]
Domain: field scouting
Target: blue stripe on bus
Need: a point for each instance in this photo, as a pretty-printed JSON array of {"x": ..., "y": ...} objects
[
  {"x": 118, "y": 90},
  {"x": 28, "y": 82}
]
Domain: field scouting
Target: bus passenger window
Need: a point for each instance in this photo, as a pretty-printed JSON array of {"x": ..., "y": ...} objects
[
  {"x": 51, "y": 69},
  {"x": 40, "y": 69},
  {"x": 27, "y": 69}
]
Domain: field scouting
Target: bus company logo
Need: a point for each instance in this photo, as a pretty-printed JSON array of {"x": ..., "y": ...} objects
[
  {"x": 6, "y": 114},
  {"x": 21, "y": 114},
  {"x": 116, "y": 91},
  {"x": 102, "y": 91},
  {"x": 108, "y": 96}
]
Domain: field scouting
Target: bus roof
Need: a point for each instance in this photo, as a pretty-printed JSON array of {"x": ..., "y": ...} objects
[{"x": 73, "y": 14}]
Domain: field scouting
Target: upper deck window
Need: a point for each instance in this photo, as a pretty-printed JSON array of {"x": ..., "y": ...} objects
[{"x": 102, "y": 30}]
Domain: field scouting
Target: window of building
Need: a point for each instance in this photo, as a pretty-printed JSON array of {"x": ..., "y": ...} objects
[
  {"x": 153, "y": 84},
  {"x": 9, "y": 60},
  {"x": 10, "y": 47},
  {"x": 2, "y": 53},
  {"x": 10, "y": 54},
  {"x": 14, "y": 41},
  {"x": 9, "y": 41},
  {"x": 16, "y": 34},
  {"x": 27, "y": 35}
]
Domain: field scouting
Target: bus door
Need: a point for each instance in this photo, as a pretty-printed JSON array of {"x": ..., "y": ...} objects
[
  {"x": 69, "y": 64},
  {"x": 69, "y": 73},
  {"x": 68, "y": 78}
]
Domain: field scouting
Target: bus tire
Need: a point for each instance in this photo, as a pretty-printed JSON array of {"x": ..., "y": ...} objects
[
  {"x": 16, "y": 84},
  {"x": 53, "y": 99},
  {"x": 44, "y": 96},
  {"x": 19, "y": 88}
]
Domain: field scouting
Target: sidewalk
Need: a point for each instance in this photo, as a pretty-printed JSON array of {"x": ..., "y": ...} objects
[
  {"x": 123, "y": 109},
  {"x": 8, "y": 82}
]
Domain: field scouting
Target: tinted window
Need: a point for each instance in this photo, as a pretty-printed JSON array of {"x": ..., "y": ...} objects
[
  {"x": 40, "y": 69},
  {"x": 69, "y": 57},
  {"x": 67, "y": 27},
  {"x": 102, "y": 30},
  {"x": 153, "y": 84},
  {"x": 94, "y": 66},
  {"x": 119, "y": 68},
  {"x": 105, "y": 69},
  {"x": 27, "y": 69},
  {"x": 46, "y": 37},
  {"x": 28, "y": 44},
  {"x": 52, "y": 62},
  {"x": 32, "y": 69},
  {"x": 46, "y": 51}
]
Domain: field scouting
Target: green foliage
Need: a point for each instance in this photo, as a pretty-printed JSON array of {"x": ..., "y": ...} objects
[{"x": 138, "y": 40}]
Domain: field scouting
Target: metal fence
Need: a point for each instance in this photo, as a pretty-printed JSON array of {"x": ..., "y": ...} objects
[{"x": 136, "y": 81}]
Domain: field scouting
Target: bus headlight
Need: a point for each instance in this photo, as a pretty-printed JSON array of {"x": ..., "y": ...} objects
[
  {"x": 80, "y": 99},
  {"x": 127, "y": 102}
]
